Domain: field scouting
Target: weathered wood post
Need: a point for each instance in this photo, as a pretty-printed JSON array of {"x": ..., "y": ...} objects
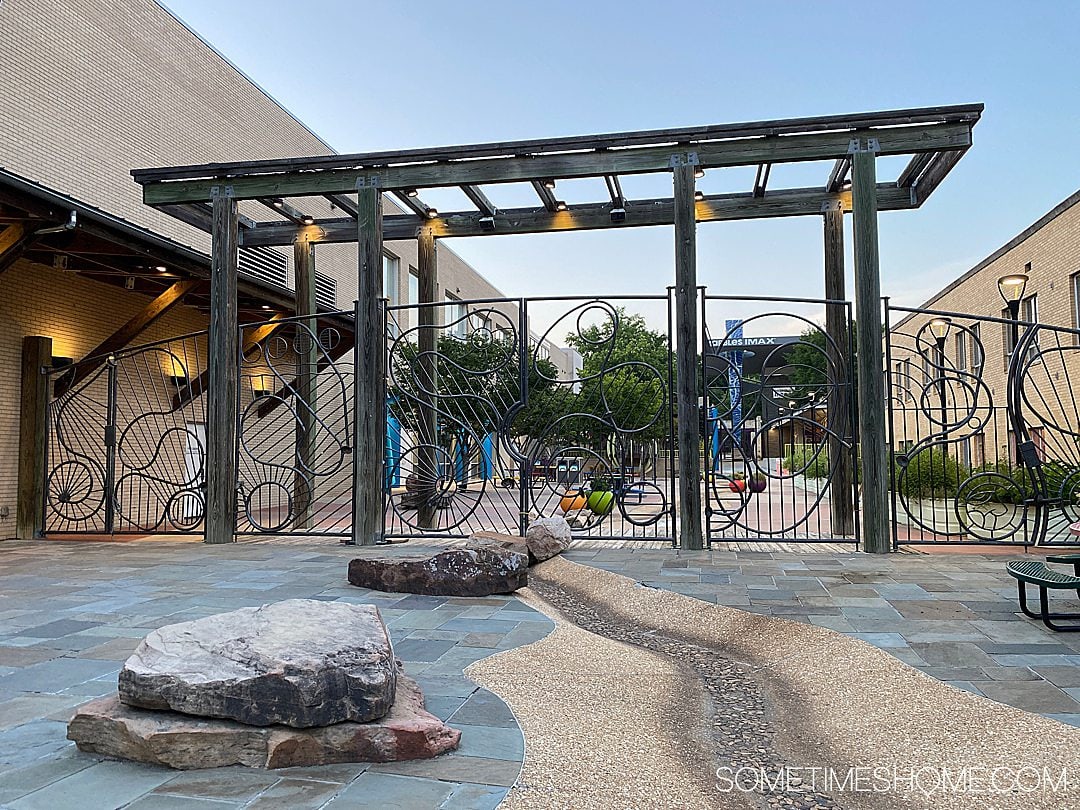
[
  {"x": 33, "y": 420},
  {"x": 427, "y": 269},
  {"x": 871, "y": 394},
  {"x": 223, "y": 359},
  {"x": 369, "y": 400},
  {"x": 307, "y": 361},
  {"x": 839, "y": 378},
  {"x": 686, "y": 345}
]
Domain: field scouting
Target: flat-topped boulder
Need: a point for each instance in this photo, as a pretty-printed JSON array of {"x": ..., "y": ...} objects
[
  {"x": 480, "y": 569},
  {"x": 108, "y": 727},
  {"x": 300, "y": 663}
]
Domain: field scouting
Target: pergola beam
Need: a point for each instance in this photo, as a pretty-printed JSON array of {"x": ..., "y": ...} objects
[
  {"x": 546, "y": 195},
  {"x": 590, "y": 216},
  {"x": 964, "y": 113},
  {"x": 840, "y": 170},
  {"x": 739, "y": 152},
  {"x": 343, "y": 202},
  {"x": 936, "y": 170},
  {"x": 287, "y": 210},
  {"x": 761, "y": 179},
  {"x": 413, "y": 202},
  {"x": 143, "y": 320},
  {"x": 614, "y": 188},
  {"x": 478, "y": 198}
]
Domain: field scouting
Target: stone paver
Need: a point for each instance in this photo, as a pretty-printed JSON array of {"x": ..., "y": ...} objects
[
  {"x": 955, "y": 617},
  {"x": 70, "y": 613}
]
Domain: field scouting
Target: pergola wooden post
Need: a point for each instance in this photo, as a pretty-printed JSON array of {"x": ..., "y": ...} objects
[
  {"x": 839, "y": 378},
  {"x": 427, "y": 461},
  {"x": 222, "y": 401},
  {"x": 872, "y": 406},
  {"x": 369, "y": 406},
  {"x": 33, "y": 419},
  {"x": 307, "y": 377},
  {"x": 686, "y": 347}
]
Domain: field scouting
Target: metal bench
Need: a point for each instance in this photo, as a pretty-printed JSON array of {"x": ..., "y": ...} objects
[{"x": 1039, "y": 574}]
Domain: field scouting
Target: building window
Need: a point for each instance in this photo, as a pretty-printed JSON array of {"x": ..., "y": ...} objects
[
  {"x": 961, "y": 351},
  {"x": 391, "y": 278},
  {"x": 1038, "y": 439},
  {"x": 456, "y": 316},
  {"x": 978, "y": 450},
  {"x": 414, "y": 286},
  {"x": 907, "y": 375},
  {"x": 976, "y": 348}
]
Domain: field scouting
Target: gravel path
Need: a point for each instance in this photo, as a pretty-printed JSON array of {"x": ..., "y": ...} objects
[{"x": 617, "y": 725}]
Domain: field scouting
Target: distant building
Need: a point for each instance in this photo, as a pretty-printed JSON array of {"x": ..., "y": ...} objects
[{"x": 977, "y": 344}]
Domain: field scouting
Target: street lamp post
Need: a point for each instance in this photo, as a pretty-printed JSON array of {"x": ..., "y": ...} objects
[
  {"x": 940, "y": 327},
  {"x": 1011, "y": 288}
]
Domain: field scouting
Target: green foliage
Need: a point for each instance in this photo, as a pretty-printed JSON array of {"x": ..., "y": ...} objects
[
  {"x": 811, "y": 459},
  {"x": 634, "y": 397},
  {"x": 808, "y": 360},
  {"x": 930, "y": 473},
  {"x": 996, "y": 489},
  {"x": 478, "y": 383}
]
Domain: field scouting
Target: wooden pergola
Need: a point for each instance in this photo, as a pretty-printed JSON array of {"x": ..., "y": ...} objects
[{"x": 206, "y": 196}]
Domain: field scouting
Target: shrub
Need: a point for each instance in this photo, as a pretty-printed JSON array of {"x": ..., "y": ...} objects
[
  {"x": 809, "y": 460},
  {"x": 929, "y": 473}
]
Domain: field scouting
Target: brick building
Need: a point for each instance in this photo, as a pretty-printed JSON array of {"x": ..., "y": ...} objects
[
  {"x": 974, "y": 344},
  {"x": 88, "y": 91}
]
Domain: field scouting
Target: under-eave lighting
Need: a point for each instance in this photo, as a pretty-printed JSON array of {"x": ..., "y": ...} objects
[
  {"x": 549, "y": 183},
  {"x": 560, "y": 205},
  {"x": 699, "y": 172},
  {"x": 278, "y": 202},
  {"x": 432, "y": 213},
  {"x": 699, "y": 196},
  {"x": 410, "y": 192},
  {"x": 618, "y": 215},
  {"x": 308, "y": 220}
]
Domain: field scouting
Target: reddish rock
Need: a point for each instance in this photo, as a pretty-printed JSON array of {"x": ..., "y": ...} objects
[
  {"x": 108, "y": 727},
  {"x": 478, "y": 570}
]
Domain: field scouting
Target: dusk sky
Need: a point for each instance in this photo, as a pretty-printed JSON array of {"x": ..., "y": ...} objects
[{"x": 390, "y": 75}]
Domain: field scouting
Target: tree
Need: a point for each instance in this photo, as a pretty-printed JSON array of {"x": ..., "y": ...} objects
[
  {"x": 624, "y": 378},
  {"x": 807, "y": 361}
]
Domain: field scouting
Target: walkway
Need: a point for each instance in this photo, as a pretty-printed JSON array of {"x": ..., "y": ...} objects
[
  {"x": 70, "y": 613},
  {"x": 952, "y": 616}
]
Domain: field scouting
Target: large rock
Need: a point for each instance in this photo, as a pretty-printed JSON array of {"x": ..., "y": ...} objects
[
  {"x": 477, "y": 570},
  {"x": 547, "y": 537},
  {"x": 108, "y": 727},
  {"x": 300, "y": 663}
]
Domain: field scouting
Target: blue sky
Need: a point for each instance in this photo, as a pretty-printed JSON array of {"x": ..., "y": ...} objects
[{"x": 378, "y": 74}]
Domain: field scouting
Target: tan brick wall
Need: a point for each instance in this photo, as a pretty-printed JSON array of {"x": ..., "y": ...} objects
[{"x": 1050, "y": 255}]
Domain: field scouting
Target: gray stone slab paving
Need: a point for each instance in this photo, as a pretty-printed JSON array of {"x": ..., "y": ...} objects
[
  {"x": 954, "y": 617},
  {"x": 64, "y": 636}
]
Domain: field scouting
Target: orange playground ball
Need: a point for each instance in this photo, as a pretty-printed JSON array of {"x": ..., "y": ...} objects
[{"x": 573, "y": 502}]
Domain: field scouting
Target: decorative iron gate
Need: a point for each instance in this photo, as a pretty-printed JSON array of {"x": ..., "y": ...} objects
[
  {"x": 983, "y": 451},
  {"x": 490, "y": 424},
  {"x": 779, "y": 442},
  {"x": 126, "y": 445},
  {"x": 487, "y": 432}
]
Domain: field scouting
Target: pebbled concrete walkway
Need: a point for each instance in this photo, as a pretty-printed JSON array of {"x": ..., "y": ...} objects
[
  {"x": 952, "y": 616},
  {"x": 70, "y": 613},
  {"x": 838, "y": 706}
]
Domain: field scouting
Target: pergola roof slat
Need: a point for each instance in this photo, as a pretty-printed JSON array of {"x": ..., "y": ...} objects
[
  {"x": 966, "y": 113},
  {"x": 792, "y": 148}
]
